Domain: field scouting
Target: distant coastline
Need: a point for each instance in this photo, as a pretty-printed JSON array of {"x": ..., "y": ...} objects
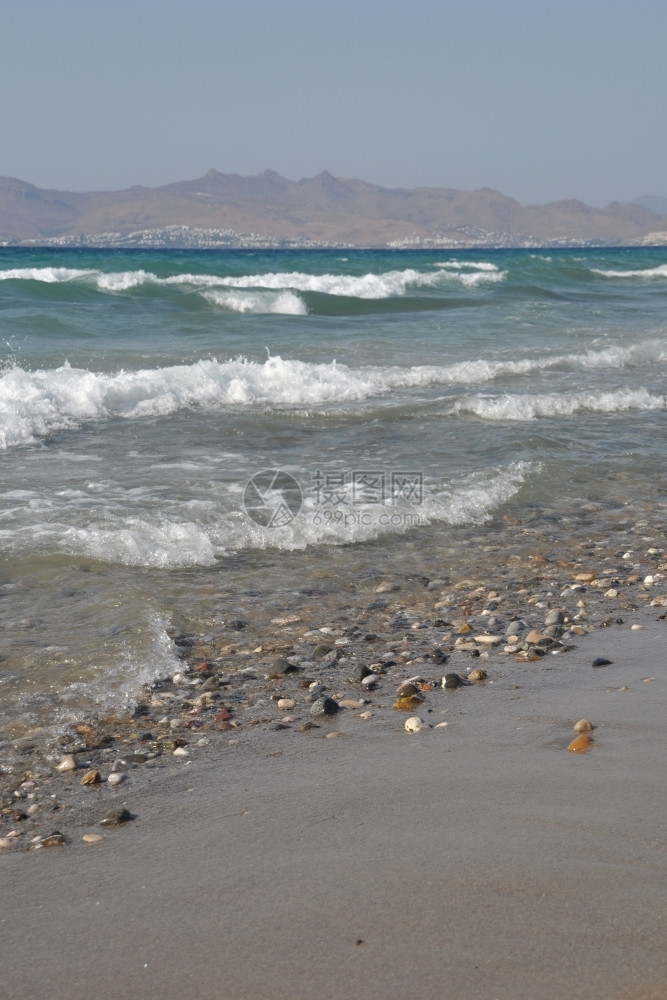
[{"x": 265, "y": 211}]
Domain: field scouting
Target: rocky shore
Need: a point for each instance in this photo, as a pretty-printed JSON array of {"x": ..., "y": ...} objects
[{"x": 328, "y": 666}]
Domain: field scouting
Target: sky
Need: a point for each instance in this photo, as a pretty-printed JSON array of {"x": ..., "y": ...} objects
[{"x": 540, "y": 100}]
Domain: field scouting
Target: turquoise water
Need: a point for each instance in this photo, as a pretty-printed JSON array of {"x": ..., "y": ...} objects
[{"x": 420, "y": 402}]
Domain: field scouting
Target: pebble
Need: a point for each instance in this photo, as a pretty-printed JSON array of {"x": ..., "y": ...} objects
[
  {"x": 351, "y": 703},
  {"x": 286, "y": 704},
  {"x": 5, "y": 842},
  {"x": 116, "y": 817},
  {"x": 489, "y": 640},
  {"x": 583, "y": 726},
  {"x": 181, "y": 752},
  {"x": 366, "y": 715},
  {"x": 555, "y": 617},
  {"x": 477, "y": 675},
  {"x": 452, "y": 681},
  {"x": 612, "y": 592},
  {"x": 581, "y": 744},
  {"x": 116, "y": 777},
  {"x": 68, "y": 763},
  {"x": 636, "y": 628},
  {"x": 601, "y": 661},
  {"x": 92, "y": 838},
  {"x": 92, "y": 777},
  {"x": 407, "y": 690},
  {"x": 55, "y": 839},
  {"x": 441, "y": 725},
  {"x": 324, "y": 706},
  {"x": 414, "y": 724},
  {"x": 585, "y": 577},
  {"x": 407, "y": 704},
  {"x": 369, "y": 681}
]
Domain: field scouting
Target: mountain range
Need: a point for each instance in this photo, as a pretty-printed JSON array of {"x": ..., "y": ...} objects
[{"x": 269, "y": 210}]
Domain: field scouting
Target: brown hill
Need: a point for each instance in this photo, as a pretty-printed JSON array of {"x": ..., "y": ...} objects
[{"x": 322, "y": 209}]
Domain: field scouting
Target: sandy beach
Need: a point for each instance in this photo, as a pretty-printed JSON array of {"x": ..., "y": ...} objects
[{"x": 476, "y": 860}]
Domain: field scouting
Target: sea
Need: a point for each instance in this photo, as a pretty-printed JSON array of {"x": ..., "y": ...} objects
[{"x": 194, "y": 437}]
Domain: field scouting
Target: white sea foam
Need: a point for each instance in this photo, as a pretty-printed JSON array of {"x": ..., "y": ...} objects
[
  {"x": 388, "y": 284},
  {"x": 152, "y": 540},
  {"x": 263, "y": 302},
  {"x": 649, "y": 272},
  {"x": 35, "y": 404},
  {"x": 529, "y": 406},
  {"x": 50, "y": 275}
]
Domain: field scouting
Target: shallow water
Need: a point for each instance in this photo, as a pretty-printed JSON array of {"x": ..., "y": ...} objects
[{"x": 427, "y": 405}]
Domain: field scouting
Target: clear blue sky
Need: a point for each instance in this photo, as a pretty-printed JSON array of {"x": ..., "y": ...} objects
[{"x": 540, "y": 100}]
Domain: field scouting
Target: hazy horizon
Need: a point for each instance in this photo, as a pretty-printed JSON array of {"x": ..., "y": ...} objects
[{"x": 538, "y": 102}]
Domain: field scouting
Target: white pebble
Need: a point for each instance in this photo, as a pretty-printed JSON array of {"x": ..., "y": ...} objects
[
  {"x": 68, "y": 763},
  {"x": 414, "y": 724},
  {"x": 286, "y": 704},
  {"x": 636, "y": 628},
  {"x": 181, "y": 752},
  {"x": 612, "y": 592},
  {"x": 116, "y": 777}
]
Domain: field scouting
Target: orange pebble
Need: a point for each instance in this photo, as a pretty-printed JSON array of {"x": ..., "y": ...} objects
[{"x": 582, "y": 744}]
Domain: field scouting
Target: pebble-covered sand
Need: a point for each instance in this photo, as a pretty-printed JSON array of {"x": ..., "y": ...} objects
[{"x": 388, "y": 651}]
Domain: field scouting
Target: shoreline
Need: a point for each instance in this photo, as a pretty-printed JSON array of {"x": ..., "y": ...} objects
[
  {"x": 482, "y": 859},
  {"x": 264, "y": 675},
  {"x": 475, "y": 859}
]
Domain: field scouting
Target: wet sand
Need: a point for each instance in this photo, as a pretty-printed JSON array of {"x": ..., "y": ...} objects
[{"x": 480, "y": 860}]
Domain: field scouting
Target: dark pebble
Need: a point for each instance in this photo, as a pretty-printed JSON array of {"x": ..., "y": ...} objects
[
  {"x": 324, "y": 706},
  {"x": 116, "y": 817},
  {"x": 601, "y": 661},
  {"x": 453, "y": 681}
]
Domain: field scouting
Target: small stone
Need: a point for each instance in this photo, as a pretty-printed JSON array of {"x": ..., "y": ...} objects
[
  {"x": 489, "y": 640},
  {"x": 369, "y": 681},
  {"x": 612, "y": 592},
  {"x": 581, "y": 744},
  {"x": 464, "y": 629},
  {"x": 415, "y": 724},
  {"x": 68, "y": 763},
  {"x": 92, "y": 838},
  {"x": 366, "y": 715},
  {"x": 351, "y": 703},
  {"x": 92, "y": 777},
  {"x": 583, "y": 726},
  {"x": 441, "y": 725},
  {"x": 477, "y": 675},
  {"x": 324, "y": 706},
  {"x": 555, "y": 617},
  {"x": 286, "y": 704},
  {"x": 116, "y": 777},
  {"x": 332, "y": 736},
  {"x": 116, "y": 817},
  {"x": 535, "y": 636},
  {"x": 281, "y": 666},
  {"x": 601, "y": 661},
  {"x": 181, "y": 752},
  {"x": 407, "y": 690},
  {"x": 635, "y": 628},
  {"x": 585, "y": 577},
  {"x": 5, "y": 842},
  {"x": 407, "y": 704},
  {"x": 55, "y": 839},
  {"x": 451, "y": 681}
]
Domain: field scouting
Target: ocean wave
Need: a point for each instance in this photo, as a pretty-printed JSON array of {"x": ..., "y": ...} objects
[
  {"x": 282, "y": 303},
  {"x": 531, "y": 406},
  {"x": 388, "y": 284},
  {"x": 35, "y": 404},
  {"x": 648, "y": 272},
  {"x": 152, "y": 540}
]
